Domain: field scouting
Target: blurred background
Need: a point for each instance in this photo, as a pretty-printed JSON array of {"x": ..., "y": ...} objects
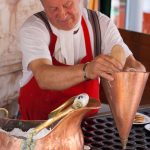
[{"x": 127, "y": 14}]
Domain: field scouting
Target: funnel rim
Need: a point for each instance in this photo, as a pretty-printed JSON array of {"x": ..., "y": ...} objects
[{"x": 147, "y": 72}]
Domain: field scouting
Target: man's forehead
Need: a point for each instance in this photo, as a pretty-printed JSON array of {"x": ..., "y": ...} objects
[{"x": 59, "y": 0}]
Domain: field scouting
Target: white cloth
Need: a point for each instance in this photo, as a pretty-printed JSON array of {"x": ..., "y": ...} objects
[
  {"x": 65, "y": 42},
  {"x": 35, "y": 39}
]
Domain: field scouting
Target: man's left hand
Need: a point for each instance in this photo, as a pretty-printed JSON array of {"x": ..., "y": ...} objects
[{"x": 133, "y": 65}]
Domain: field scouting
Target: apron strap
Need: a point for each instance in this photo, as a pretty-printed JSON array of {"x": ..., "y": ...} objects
[
  {"x": 43, "y": 17},
  {"x": 93, "y": 18}
]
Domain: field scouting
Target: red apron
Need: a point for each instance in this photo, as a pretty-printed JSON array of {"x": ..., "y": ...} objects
[{"x": 36, "y": 104}]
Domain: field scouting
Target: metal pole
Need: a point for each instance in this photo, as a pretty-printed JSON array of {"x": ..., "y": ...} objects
[{"x": 134, "y": 15}]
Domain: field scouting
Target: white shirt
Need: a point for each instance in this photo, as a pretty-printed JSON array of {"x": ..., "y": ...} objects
[{"x": 34, "y": 42}]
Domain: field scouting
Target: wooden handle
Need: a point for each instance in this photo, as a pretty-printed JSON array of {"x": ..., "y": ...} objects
[{"x": 118, "y": 53}]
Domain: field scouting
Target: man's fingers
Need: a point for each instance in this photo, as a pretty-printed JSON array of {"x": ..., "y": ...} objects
[
  {"x": 108, "y": 64},
  {"x": 106, "y": 69},
  {"x": 103, "y": 66},
  {"x": 106, "y": 76},
  {"x": 114, "y": 63}
]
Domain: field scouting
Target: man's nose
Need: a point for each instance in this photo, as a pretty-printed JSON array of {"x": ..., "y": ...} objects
[{"x": 62, "y": 14}]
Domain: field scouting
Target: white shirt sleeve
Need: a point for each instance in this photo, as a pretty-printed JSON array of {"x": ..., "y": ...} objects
[
  {"x": 110, "y": 35},
  {"x": 34, "y": 41}
]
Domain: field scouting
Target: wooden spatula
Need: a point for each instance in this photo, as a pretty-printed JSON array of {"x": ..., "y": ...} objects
[{"x": 118, "y": 53}]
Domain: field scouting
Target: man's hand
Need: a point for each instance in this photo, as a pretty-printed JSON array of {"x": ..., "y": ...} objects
[
  {"x": 103, "y": 66},
  {"x": 133, "y": 65}
]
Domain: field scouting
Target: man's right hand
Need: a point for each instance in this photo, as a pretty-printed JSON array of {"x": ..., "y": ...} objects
[{"x": 103, "y": 66}]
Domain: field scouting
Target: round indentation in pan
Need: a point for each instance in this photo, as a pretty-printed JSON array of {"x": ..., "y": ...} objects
[
  {"x": 98, "y": 133},
  {"x": 98, "y": 139},
  {"x": 97, "y": 145},
  {"x": 107, "y": 142},
  {"x": 100, "y": 121},
  {"x": 99, "y": 126},
  {"x": 117, "y": 147},
  {"x": 109, "y": 137},
  {"x": 109, "y": 131}
]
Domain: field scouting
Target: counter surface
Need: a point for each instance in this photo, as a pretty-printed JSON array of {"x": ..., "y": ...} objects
[{"x": 101, "y": 134}]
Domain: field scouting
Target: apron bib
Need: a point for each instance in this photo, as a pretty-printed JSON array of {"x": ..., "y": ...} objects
[{"x": 36, "y": 104}]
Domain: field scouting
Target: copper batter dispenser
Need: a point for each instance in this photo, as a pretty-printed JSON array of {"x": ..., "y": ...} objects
[{"x": 124, "y": 96}]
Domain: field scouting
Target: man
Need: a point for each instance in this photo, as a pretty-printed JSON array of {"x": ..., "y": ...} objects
[{"x": 55, "y": 59}]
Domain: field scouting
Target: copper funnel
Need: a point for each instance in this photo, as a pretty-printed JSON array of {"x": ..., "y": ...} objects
[
  {"x": 124, "y": 96},
  {"x": 66, "y": 135}
]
